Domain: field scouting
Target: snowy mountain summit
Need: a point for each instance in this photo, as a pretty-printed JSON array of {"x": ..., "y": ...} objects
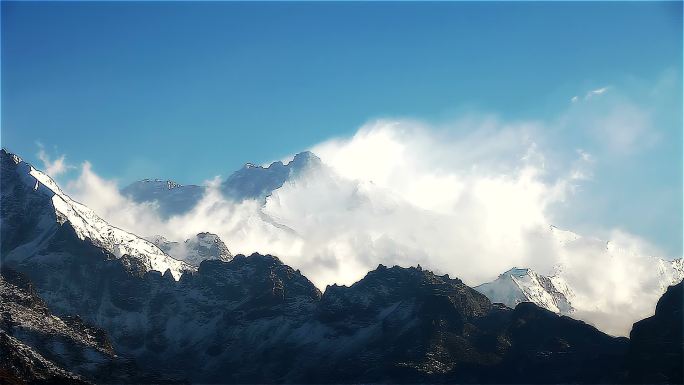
[
  {"x": 203, "y": 246},
  {"x": 555, "y": 293},
  {"x": 249, "y": 182},
  {"x": 256, "y": 182},
  {"x": 524, "y": 285},
  {"x": 54, "y": 217}
]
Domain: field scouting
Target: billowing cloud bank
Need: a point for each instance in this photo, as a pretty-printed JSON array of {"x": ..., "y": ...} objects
[
  {"x": 471, "y": 198},
  {"x": 401, "y": 192}
]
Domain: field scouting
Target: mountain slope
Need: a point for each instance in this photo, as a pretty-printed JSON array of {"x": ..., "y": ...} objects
[
  {"x": 35, "y": 211},
  {"x": 39, "y": 346},
  {"x": 23, "y": 365},
  {"x": 656, "y": 352}
]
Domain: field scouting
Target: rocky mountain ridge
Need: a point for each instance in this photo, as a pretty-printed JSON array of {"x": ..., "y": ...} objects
[
  {"x": 249, "y": 182},
  {"x": 253, "y": 319}
]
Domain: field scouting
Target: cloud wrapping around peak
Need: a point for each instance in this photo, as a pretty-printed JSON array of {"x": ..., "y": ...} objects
[{"x": 471, "y": 198}]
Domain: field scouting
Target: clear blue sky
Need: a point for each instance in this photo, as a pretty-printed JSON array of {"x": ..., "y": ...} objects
[{"x": 191, "y": 90}]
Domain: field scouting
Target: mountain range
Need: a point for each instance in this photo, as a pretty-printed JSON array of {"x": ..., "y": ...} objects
[
  {"x": 553, "y": 292},
  {"x": 84, "y": 301},
  {"x": 250, "y": 182}
]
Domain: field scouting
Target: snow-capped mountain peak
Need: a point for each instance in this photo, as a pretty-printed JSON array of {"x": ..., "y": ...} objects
[
  {"x": 257, "y": 182},
  {"x": 525, "y": 285},
  {"x": 554, "y": 292},
  {"x": 304, "y": 158},
  {"x": 203, "y": 246},
  {"x": 87, "y": 225},
  {"x": 670, "y": 272}
]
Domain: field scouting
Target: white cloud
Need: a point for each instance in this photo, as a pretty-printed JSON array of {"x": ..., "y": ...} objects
[
  {"x": 590, "y": 94},
  {"x": 471, "y": 198},
  {"x": 54, "y": 168},
  {"x": 596, "y": 92},
  {"x": 103, "y": 197}
]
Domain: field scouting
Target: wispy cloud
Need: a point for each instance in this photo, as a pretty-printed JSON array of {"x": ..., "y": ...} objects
[
  {"x": 596, "y": 92},
  {"x": 614, "y": 121},
  {"x": 590, "y": 94},
  {"x": 52, "y": 167}
]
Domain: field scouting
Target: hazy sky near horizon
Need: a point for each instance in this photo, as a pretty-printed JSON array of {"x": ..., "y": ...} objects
[{"x": 188, "y": 91}]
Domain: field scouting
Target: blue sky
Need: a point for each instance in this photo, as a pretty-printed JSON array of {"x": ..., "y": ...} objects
[{"x": 191, "y": 90}]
